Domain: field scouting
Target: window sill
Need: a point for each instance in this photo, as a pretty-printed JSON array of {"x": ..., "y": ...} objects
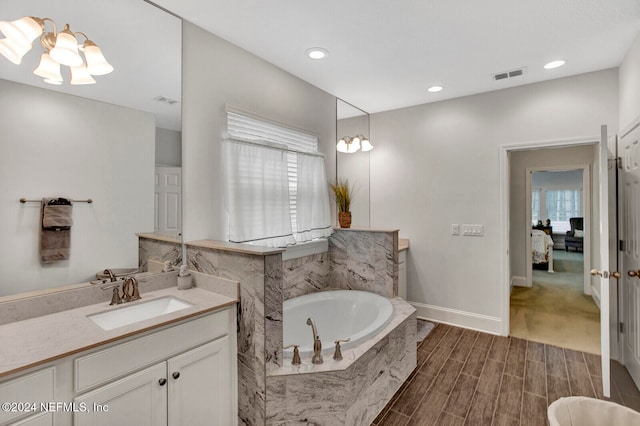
[{"x": 306, "y": 249}]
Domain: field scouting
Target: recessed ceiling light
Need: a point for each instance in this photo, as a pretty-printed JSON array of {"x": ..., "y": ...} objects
[
  {"x": 554, "y": 64},
  {"x": 317, "y": 53},
  {"x": 434, "y": 89}
]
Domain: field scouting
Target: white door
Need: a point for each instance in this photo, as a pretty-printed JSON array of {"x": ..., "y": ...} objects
[
  {"x": 139, "y": 399},
  {"x": 630, "y": 282},
  {"x": 168, "y": 196},
  {"x": 606, "y": 276},
  {"x": 200, "y": 386}
]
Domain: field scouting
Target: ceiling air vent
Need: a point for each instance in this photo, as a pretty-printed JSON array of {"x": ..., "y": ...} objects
[
  {"x": 509, "y": 74},
  {"x": 166, "y": 100}
]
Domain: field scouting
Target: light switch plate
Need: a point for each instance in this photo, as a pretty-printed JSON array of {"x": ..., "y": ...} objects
[
  {"x": 473, "y": 230},
  {"x": 455, "y": 229}
]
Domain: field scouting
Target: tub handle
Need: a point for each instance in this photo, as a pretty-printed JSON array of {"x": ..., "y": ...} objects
[
  {"x": 337, "y": 355},
  {"x": 296, "y": 354}
]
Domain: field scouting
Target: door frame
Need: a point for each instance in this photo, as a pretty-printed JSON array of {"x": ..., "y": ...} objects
[
  {"x": 586, "y": 214},
  {"x": 505, "y": 267}
]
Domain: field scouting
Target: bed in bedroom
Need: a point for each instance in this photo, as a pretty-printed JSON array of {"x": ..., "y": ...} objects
[{"x": 542, "y": 250}]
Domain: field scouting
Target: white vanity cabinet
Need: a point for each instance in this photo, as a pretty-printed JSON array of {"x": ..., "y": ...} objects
[
  {"x": 195, "y": 386},
  {"x": 20, "y": 393},
  {"x": 179, "y": 374}
]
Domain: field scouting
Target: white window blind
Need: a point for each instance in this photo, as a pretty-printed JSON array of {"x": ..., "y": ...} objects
[{"x": 244, "y": 128}]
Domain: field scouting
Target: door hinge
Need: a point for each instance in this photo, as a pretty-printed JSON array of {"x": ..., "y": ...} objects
[
  {"x": 621, "y": 245},
  {"x": 621, "y": 327}
]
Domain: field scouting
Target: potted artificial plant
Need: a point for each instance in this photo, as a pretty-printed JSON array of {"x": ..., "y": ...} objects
[{"x": 342, "y": 192}]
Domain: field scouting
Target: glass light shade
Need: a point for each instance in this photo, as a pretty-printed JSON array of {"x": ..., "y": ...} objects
[
  {"x": 96, "y": 63},
  {"x": 80, "y": 75},
  {"x": 342, "y": 146},
  {"x": 23, "y": 30},
  {"x": 65, "y": 51},
  {"x": 366, "y": 145},
  {"x": 48, "y": 68},
  {"x": 355, "y": 144},
  {"x": 52, "y": 81},
  {"x": 12, "y": 50}
]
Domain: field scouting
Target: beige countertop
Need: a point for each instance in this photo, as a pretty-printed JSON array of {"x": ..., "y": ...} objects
[
  {"x": 403, "y": 244},
  {"x": 38, "y": 340}
]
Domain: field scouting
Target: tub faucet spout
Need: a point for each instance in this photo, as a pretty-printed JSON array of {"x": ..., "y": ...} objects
[{"x": 317, "y": 344}]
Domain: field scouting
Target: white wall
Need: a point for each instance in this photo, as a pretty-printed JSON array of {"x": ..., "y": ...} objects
[
  {"x": 168, "y": 147},
  {"x": 629, "y": 87},
  {"x": 438, "y": 164},
  {"x": 53, "y": 144},
  {"x": 216, "y": 73}
]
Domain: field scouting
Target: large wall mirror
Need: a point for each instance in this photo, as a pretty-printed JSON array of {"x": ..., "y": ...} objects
[
  {"x": 101, "y": 141},
  {"x": 352, "y": 121}
]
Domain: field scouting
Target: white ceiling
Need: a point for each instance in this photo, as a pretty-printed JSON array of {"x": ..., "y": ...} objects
[
  {"x": 143, "y": 43},
  {"x": 384, "y": 54}
]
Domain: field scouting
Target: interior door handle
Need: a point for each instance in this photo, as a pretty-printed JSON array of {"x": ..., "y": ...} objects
[{"x": 605, "y": 274}]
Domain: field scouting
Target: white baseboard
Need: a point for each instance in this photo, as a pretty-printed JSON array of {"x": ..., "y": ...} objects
[
  {"x": 484, "y": 323},
  {"x": 517, "y": 281}
]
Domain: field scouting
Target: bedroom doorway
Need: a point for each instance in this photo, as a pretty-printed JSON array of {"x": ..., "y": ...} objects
[{"x": 555, "y": 306}]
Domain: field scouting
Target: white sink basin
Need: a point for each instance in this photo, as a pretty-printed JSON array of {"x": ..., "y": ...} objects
[{"x": 119, "y": 317}]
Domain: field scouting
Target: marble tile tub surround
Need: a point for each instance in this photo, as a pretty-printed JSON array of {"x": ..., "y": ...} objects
[
  {"x": 259, "y": 272},
  {"x": 363, "y": 259},
  {"x": 160, "y": 248},
  {"x": 358, "y": 259},
  {"x": 266, "y": 281},
  {"x": 348, "y": 392}
]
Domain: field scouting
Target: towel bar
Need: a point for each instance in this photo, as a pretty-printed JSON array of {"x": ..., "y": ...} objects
[{"x": 24, "y": 200}]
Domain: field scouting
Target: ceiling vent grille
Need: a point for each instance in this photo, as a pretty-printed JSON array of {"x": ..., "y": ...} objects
[
  {"x": 509, "y": 74},
  {"x": 166, "y": 100}
]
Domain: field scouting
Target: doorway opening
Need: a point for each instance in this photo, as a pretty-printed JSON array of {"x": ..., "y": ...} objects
[{"x": 554, "y": 304}]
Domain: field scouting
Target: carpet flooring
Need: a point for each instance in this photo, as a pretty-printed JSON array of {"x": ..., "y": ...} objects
[
  {"x": 555, "y": 309},
  {"x": 465, "y": 377}
]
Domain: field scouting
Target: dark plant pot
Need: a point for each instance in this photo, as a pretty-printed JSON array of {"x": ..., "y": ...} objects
[{"x": 344, "y": 219}]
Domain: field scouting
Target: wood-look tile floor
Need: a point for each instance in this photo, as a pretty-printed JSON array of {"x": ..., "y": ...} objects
[{"x": 465, "y": 377}]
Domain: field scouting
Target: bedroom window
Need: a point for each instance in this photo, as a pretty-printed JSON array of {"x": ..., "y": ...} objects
[
  {"x": 535, "y": 207},
  {"x": 563, "y": 205},
  {"x": 275, "y": 184}
]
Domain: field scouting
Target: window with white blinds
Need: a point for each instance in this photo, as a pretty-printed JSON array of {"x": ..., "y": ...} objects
[{"x": 245, "y": 128}]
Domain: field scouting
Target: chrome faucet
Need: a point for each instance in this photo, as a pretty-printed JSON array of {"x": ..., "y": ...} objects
[
  {"x": 130, "y": 290},
  {"x": 317, "y": 344}
]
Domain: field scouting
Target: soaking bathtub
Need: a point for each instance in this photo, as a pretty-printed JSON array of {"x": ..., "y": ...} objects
[{"x": 338, "y": 315}]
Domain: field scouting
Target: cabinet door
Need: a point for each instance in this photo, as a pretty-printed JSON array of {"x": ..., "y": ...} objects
[
  {"x": 139, "y": 399},
  {"x": 200, "y": 388},
  {"x": 44, "y": 419}
]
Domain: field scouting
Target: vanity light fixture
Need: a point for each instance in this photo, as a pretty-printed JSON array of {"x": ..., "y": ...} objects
[
  {"x": 317, "y": 53},
  {"x": 554, "y": 64},
  {"x": 435, "y": 89},
  {"x": 60, "y": 48},
  {"x": 349, "y": 144}
]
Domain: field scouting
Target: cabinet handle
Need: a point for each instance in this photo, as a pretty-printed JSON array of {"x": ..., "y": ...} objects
[
  {"x": 162, "y": 381},
  {"x": 176, "y": 375}
]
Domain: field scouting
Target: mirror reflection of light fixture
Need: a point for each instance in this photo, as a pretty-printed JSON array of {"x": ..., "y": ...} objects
[
  {"x": 349, "y": 144},
  {"x": 60, "y": 48}
]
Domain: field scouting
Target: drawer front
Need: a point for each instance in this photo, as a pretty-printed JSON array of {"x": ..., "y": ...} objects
[
  {"x": 114, "y": 362},
  {"x": 31, "y": 388}
]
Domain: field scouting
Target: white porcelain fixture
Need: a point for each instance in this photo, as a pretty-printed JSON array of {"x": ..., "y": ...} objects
[
  {"x": 338, "y": 314},
  {"x": 119, "y": 317}
]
